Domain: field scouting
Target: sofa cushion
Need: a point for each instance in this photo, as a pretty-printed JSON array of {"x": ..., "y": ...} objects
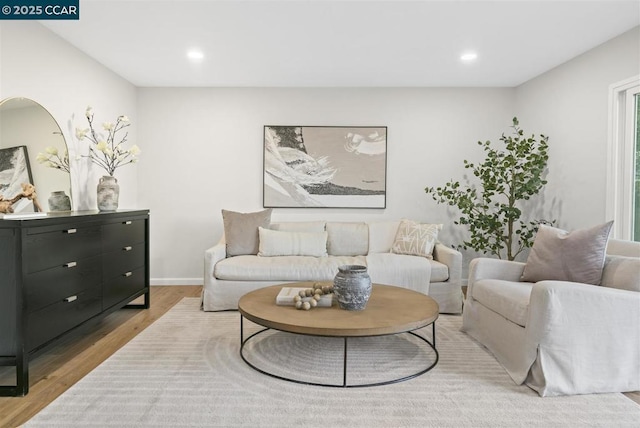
[
  {"x": 241, "y": 230},
  {"x": 439, "y": 271},
  {"x": 622, "y": 273},
  {"x": 285, "y": 268},
  {"x": 299, "y": 226},
  {"x": 576, "y": 256},
  {"x": 507, "y": 298},
  {"x": 381, "y": 236},
  {"x": 347, "y": 239},
  {"x": 277, "y": 243},
  {"x": 415, "y": 239}
]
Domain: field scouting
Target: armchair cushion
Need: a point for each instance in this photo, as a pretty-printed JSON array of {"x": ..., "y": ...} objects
[
  {"x": 576, "y": 256},
  {"x": 507, "y": 298}
]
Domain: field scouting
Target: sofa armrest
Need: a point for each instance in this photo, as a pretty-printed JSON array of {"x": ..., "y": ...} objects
[
  {"x": 485, "y": 268},
  {"x": 584, "y": 334},
  {"x": 452, "y": 258},
  {"x": 212, "y": 256}
]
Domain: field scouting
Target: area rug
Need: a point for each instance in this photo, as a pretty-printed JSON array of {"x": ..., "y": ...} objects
[{"x": 185, "y": 371}]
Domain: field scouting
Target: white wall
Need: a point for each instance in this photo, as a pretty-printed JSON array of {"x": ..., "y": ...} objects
[
  {"x": 35, "y": 63},
  {"x": 203, "y": 147},
  {"x": 570, "y": 104}
]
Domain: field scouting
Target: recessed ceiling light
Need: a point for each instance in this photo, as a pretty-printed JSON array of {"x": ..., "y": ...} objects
[
  {"x": 195, "y": 55},
  {"x": 468, "y": 57}
]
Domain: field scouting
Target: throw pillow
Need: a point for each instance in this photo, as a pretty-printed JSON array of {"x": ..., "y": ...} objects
[
  {"x": 277, "y": 243},
  {"x": 241, "y": 231},
  {"x": 576, "y": 256},
  {"x": 416, "y": 239}
]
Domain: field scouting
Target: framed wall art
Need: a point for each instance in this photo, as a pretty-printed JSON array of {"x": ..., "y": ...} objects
[
  {"x": 15, "y": 170},
  {"x": 325, "y": 166}
]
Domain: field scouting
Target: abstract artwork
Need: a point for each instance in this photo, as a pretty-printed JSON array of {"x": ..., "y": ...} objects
[
  {"x": 15, "y": 170},
  {"x": 325, "y": 166}
]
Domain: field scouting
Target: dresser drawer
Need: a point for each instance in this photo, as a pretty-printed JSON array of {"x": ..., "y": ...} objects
[
  {"x": 60, "y": 317},
  {"x": 57, "y": 283},
  {"x": 57, "y": 247},
  {"x": 123, "y": 233},
  {"x": 125, "y": 259},
  {"x": 118, "y": 288}
]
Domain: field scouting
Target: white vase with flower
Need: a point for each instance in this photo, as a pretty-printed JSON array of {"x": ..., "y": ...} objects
[{"x": 108, "y": 152}]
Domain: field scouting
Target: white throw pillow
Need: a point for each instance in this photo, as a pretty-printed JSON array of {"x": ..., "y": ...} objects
[
  {"x": 416, "y": 239},
  {"x": 277, "y": 243}
]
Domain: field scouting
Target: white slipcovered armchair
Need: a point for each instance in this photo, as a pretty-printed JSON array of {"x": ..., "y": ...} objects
[{"x": 560, "y": 337}]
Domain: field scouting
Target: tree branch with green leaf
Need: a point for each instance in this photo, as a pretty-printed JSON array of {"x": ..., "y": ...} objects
[{"x": 506, "y": 177}]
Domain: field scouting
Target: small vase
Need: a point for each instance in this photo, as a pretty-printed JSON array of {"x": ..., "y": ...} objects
[
  {"x": 59, "y": 201},
  {"x": 108, "y": 193},
  {"x": 352, "y": 287}
]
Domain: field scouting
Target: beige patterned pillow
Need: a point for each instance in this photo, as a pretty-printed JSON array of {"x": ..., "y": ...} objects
[{"x": 416, "y": 239}]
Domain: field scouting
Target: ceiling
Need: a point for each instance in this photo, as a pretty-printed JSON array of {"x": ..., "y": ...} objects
[{"x": 349, "y": 43}]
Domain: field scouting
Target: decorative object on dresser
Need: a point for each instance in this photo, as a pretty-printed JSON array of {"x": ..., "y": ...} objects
[
  {"x": 59, "y": 201},
  {"x": 63, "y": 271},
  {"x": 109, "y": 154},
  {"x": 28, "y": 192},
  {"x": 325, "y": 166},
  {"x": 26, "y": 123}
]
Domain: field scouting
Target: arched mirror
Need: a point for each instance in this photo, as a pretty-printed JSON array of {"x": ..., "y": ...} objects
[{"x": 33, "y": 150}]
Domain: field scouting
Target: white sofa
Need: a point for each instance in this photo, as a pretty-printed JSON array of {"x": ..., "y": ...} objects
[
  {"x": 560, "y": 337},
  {"x": 226, "y": 279}
]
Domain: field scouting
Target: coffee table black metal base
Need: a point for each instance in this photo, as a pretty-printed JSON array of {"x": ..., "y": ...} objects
[{"x": 432, "y": 346}]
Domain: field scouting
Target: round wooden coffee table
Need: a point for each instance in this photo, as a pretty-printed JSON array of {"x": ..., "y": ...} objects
[{"x": 390, "y": 310}]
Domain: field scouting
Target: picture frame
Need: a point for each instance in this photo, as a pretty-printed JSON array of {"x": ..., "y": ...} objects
[
  {"x": 325, "y": 166},
  {"x": 15, "y": 169}
]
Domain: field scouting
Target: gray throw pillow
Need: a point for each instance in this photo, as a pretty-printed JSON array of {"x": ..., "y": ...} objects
[
  {"x": 241, "y": 231},
  {"x": 576, "y": 256}
]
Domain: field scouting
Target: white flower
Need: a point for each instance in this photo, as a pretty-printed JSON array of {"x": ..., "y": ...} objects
[
  {"x": 107, "y": 149},
  {"x": 81, "y": 133},
  {"x": 41, "y": 158},
  {"x": 51, "y": 150},
  {"x": 102, "y": 146}
]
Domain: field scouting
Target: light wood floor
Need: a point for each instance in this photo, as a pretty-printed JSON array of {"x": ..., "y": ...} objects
[{"x": 54, "y": 371}]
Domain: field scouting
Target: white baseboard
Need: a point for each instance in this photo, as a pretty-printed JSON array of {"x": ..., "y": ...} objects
[{"x": 176, "y": 281}]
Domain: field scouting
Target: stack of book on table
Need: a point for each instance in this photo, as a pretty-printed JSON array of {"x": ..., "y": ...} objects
[{"x": 286, "y": 295}]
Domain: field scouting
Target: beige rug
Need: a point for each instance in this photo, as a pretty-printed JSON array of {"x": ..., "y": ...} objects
[{"x": 185, "y": 371}]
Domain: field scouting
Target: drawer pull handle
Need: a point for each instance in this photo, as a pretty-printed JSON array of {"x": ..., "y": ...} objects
[
  {"x": 71, "y": 299},
  {"x": 70, "y": 264},
  {"x": 127, "y": 274},
  {"x": 70, "y": 231},
  {"x": 127, "y": 248},
  {"x": 126, "y": 222}
]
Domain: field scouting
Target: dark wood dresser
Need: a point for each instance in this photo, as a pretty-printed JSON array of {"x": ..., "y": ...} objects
[{"x": 63, "y": 271}]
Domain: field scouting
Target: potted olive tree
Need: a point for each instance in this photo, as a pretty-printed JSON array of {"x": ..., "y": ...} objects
[{"x": 491, "y": 211}]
